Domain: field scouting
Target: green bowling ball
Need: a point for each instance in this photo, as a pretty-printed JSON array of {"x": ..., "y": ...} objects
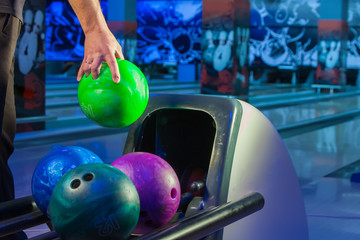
[
  {"x": 112, "y": 104},
  {"x": 94, "y": 201}
]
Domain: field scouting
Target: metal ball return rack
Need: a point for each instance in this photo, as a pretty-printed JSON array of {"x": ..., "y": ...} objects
[{"x": 249, "y": 173}]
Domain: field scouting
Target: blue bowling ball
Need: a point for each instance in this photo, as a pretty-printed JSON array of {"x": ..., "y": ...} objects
[{"x": 52, "y": 167}]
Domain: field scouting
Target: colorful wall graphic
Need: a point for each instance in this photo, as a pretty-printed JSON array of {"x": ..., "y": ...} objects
[
  {"x": 64, "y": 38},
  {"x": 225, "y": 47},
  {"x": 169, "y": 31},
  {"x": 283, "y": 33},
  {"x": 332, "y": 52},
  {"x": 353, "y": 42}
]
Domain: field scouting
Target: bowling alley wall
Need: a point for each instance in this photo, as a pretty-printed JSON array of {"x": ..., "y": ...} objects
[
  {"x": 225, "y": 45},
  {"x": 29, "y": 69}
]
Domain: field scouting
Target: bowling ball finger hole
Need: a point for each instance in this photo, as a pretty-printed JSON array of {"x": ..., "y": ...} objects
[
  {"x": 75, "y": 183},
  {"x": 173, "y": 193},
  {"x": 88, "y": 177},
  {"x": 143, "y": 214}
]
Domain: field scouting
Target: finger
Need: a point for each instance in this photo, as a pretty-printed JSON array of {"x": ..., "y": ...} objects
[
  {"x": 119, "y": 54},
  {"x": 80, "y": 73},
  {"x": 114, "y": 68},
  {"x": 95, "y": 67},
  {"x": 87, "y": 67}
]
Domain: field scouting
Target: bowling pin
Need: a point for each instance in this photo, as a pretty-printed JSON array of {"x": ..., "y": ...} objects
[
  {"x": 323, "y": 51},
  {"x": 242, "y": 42},
  {"x": 38, "y": 51},
  {"x": 28, "y": 20},
  {"x": 209, "y": 52},
  {"x": 223, "y": 51},
  {"x": 26, "y": 60},
  {"x": 228, "y": 47},
  {"x": 333, "y": 56},
  {"x": 209, "y": 38},
  {"x": 38, "y": 21}
]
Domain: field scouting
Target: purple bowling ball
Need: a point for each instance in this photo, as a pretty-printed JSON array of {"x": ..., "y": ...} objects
[{"x": 158, "y": 187}]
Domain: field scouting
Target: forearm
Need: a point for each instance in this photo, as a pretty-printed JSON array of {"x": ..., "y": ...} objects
[
  {"x": 90, "y": 15},
  {"x": 100, "y": 44}
]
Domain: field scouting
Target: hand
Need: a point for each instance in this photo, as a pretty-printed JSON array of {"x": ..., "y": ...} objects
[{"x": 100, "y": 47}]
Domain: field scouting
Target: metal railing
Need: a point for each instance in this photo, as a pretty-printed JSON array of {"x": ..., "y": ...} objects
[{"x": 22, "y": 214}]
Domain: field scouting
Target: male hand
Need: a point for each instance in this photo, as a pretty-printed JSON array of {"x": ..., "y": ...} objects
[{"x": 100, "y": 47}]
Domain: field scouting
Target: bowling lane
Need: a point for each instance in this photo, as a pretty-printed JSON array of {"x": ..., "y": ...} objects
[
  {"x": 330, "y": 203},
  {"x": 297, "y": 113},
  {"x": 332, "y": 209},
  {"x": 318, "y": 153},
  {"x": 258, "y": 94}
]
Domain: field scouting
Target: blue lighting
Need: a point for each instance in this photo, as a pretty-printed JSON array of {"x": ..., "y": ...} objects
[
  {"x": 64, "y": 38},
  {"x": 169, "y": 31}
]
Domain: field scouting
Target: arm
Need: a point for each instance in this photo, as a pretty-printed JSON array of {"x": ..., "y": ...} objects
[{"x": 100, "y": 44}]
